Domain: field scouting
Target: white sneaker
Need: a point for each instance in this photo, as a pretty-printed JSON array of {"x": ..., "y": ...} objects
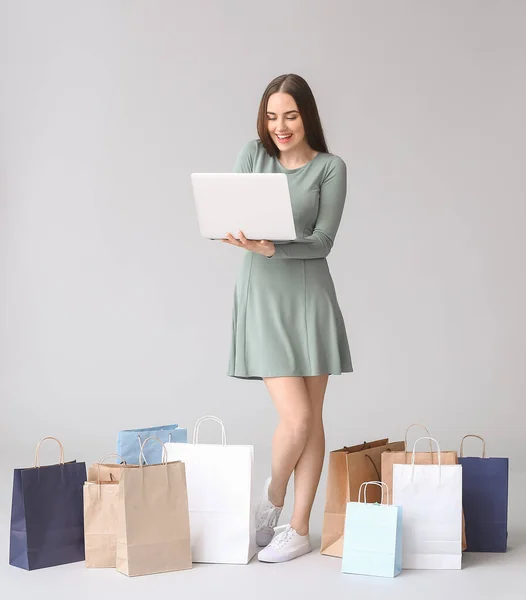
[
  {"x": 267, "y": 516},
  {"x": 285, "y": 546}
]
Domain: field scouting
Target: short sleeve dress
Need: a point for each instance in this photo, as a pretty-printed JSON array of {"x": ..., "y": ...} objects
[{"x": 286, "y": 320}]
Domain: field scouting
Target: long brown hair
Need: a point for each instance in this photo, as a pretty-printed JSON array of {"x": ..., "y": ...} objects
[{"x": 299, "y": 89}]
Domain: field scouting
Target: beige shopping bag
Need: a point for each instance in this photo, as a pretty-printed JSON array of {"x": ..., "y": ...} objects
[
  {"x": 421, "y": 458},
  {"x": 348, "y": 469},
  {"x": 100, "y": 514},
  {"x": 103, "y": 471},
  {"x": 153, "y": 525}
]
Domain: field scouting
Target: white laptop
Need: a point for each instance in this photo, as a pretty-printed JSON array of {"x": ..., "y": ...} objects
[{"x": 258, "y": 204}]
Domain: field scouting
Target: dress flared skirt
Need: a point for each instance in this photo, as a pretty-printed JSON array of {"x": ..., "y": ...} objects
[{"x": 286, "y": 320}]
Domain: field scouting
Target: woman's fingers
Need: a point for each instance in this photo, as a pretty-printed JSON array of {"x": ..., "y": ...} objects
[
  {"x": 231, "y": 240},
  {"x": 260, "y": 246}
]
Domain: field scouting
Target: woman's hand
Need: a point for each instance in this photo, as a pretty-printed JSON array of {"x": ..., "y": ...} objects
[{"x": 262, "y": 247}]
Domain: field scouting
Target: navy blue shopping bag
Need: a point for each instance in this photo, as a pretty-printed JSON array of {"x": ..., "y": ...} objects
[
  {"x": 485, "y": 500},
  {"x": 47, "y": 516}
]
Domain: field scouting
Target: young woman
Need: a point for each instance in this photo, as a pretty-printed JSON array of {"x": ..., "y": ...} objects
[{"x": 287, "y": 326}]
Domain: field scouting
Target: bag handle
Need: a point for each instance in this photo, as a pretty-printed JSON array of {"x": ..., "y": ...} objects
[
  {"x": 439, "y": 457},
  {"x": 164, "y": 459},
  {"x": 140, "y": 445},
  {"x": 101, "y": 461},
  {"x": 208, "y": 418},
  {"x": 381, "y": 484},
  {"x": 374, "y": 466},
  {"x": 426, "y": 430},
  {"x": 475, "y": 436},
  {"x": 61, "y": 458}
]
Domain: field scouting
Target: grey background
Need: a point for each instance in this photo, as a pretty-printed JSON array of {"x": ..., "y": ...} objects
[{"x": 115, "y": 313}]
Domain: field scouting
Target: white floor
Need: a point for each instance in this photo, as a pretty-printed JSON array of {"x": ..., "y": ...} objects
[{"x": 501, "y": 576}]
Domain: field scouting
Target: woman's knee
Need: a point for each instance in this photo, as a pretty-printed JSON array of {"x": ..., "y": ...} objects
[{"x": 300, "y": 423}]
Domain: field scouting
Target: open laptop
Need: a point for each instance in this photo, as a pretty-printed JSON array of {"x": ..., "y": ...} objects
[{"x": 258, "y": 204}]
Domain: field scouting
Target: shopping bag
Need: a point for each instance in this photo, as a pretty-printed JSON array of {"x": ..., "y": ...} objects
[
  {"x": 153, "y": 530},
  {"x": 107, "y": 472},
  {"x": 219, "y": 480},
  {"x": 348, "y": 469},
  {"x": 129, "y": 442},
  {"x": 47, "y": 521},
  {"x": 100, "y": 512},
  {"x": 485, "y": 500},
  {"x": 372, "y": 543},
  {"x": 431, "y": 501},
  {"x": 421, "y": 458}
]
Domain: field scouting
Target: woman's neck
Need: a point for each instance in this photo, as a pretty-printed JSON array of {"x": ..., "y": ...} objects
[{"x": 297, "y": 157}]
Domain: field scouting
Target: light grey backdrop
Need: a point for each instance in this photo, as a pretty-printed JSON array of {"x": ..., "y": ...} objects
[{"x": 115, "y": 313}]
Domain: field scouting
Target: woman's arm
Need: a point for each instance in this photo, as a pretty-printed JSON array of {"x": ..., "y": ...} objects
[
  {"x": 332, "y": 199},
  {"x": 245, "y": 159}
]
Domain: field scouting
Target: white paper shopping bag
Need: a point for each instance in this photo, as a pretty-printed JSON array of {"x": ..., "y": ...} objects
[
  {"x": 219, "y": 484},
  {"x": 431, "y": 501}
]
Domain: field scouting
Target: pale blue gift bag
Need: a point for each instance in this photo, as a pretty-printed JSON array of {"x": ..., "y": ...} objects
[
  {"x": 129, "y": 442},
  {"x": 372, "y": 542}
]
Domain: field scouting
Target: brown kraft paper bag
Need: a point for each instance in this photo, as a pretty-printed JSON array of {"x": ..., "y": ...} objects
[
  {"x": 348, "y": 469},
  {"x": 106, "y": 472},
  {"x": 100, "y": 513},
  {"x": 153, "y": 525}
]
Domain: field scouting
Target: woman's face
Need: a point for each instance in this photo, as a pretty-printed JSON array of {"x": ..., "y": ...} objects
[{"x": 285, "y": 125}]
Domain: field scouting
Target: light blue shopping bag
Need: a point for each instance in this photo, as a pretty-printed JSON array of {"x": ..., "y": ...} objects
[
  {"x": 129, "y": 442},
  {"x": 372, "y": 543}
]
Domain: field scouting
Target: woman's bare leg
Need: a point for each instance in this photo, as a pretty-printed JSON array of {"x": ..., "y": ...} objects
[
  {"x": 308, "y": 469},
  {"x": 293, "y": 403}
]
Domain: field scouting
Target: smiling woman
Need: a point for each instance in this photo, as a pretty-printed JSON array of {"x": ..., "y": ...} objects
[
  {"x": 285, "y": 296},
  {"x": 288, "y": 120},
  {"x": 283, "y": 130},
  {"x": 287, "y": 327}
]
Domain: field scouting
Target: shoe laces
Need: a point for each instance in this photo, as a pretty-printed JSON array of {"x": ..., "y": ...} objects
[
  {"x": 283, "y": 538},
  {"x": 269, "y": 516}
]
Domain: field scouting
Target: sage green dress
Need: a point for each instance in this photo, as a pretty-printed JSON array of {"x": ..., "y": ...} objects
[{"x": 286, "y": 320}]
